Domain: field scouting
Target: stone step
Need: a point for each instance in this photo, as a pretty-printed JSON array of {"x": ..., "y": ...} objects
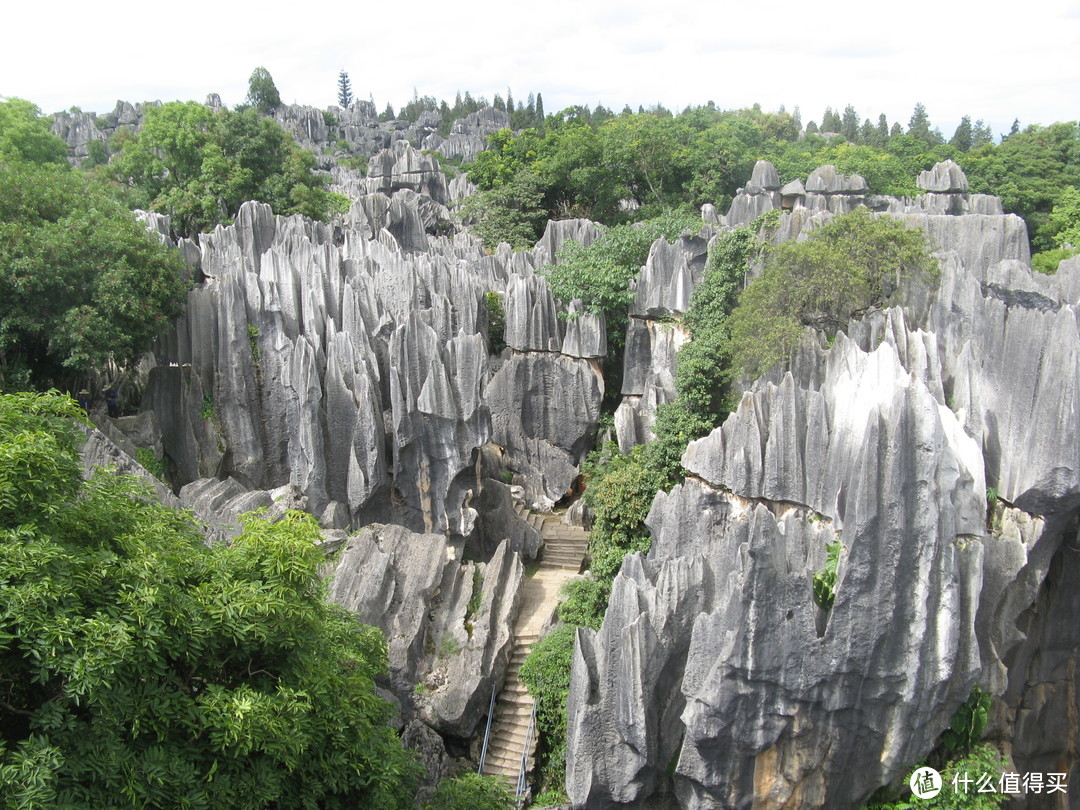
[
  {"x": 516, "y": 702},
  {"x": 510, "y": 761}
]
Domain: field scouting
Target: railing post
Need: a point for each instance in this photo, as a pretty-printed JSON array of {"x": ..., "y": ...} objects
[
  {"x": 522, "y": 785},
  {"x": 487, "y": 731}
]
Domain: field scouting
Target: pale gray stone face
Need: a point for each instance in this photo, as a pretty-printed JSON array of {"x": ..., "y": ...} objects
[{"x": 713, "y": 657}]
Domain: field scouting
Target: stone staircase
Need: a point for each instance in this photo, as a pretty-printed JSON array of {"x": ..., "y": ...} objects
[{"x": 561, "y": 557}]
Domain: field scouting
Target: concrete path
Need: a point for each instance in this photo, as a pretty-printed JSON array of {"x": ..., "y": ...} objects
[{"x": 562, "y": 555}]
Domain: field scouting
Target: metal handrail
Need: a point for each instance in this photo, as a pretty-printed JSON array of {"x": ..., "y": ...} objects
[
  {"x": 487, "y": 731},
  {"x": 523, "y": 772}
]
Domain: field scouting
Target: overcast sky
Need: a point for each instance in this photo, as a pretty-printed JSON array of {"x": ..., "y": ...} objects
[{"x": 994, "y": 61}]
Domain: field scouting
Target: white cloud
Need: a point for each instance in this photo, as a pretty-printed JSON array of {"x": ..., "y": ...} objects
[{"x": 954, "y": 58}]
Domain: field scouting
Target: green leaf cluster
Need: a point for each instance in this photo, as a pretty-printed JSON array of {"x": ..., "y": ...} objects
[
  {"x": 471, "y": 791},
  {"x": 199, "y": 166},
  {"x": 979, "y": 761},
  {"x": 25, "y": 136},
  {"x": 824, "y": 582},
  {"x": 968, "y": 723},
  {"x": 82, "y": 281},
  {"x": 546, "y": 673},
  {"x": 845, "y": 267},
  {"x": 599, "y": 274},
  {"x": 140, "y": 667}
]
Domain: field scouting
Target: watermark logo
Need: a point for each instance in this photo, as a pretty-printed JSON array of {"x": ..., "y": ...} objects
[{"x": 925, "y": 783}]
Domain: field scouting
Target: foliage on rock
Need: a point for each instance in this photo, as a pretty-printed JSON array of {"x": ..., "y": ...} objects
[
  {"x": 140, "y": 667},
  {"x": 845, "y": 267},
  {"x": 199, "y": 166}
]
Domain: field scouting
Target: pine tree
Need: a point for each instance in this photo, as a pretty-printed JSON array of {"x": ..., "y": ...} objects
[
  {"x": 981, "y": 135},
  {"x": 896, "y": 130},
  {"x": 797, "y": 116},
  {"x": 882, "y": 129},
  {"x": 498, "y": 103},
  {"x": 867, "y": 132},
  {"x": 344, "y": 90},
  {"x": 919, "y": 127},
  {"x": 963, "y": 138},
  {"x": 849, "y": 125},
  {"x": 540, "y": 108}
]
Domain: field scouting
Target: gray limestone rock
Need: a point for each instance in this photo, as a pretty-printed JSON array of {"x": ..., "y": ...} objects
[
  {"x": 826, "y": 180},
  {"x": 405, "y": 167},
  {"x": 412, "y": 587},
  {"x": 681, "y": 616},
  {"x": 583, "y": 231},
  {"x": 765, "y": 176},
  {"x": 586, "y": 333},
  {"x": 668, "y": 278},
  {"x": 463, "y": 679},
  {"x": 945, "y": 178},
  {"x": 531, "y": 321},
  {"x": 713, "y": 654},
  {"x": 544, "y": 411}
]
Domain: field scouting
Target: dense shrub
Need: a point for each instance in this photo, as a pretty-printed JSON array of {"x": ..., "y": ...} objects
[{"x": 845, "y": 267}]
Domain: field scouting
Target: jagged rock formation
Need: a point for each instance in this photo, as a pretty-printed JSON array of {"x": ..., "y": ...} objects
[
  {"x": 982, "y": 237},
  {"x": 713, "y": 655},
  {"x": 468, "y": 135},
  {"x": 448, "y": 623},
  {"x": 330, "y": 133},
  {"x": 653, "y": 335},
  {"x": 352, "y": 363}
]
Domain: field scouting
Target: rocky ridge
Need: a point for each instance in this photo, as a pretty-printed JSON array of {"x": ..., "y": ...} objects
[{"x": 713, "y": 657}]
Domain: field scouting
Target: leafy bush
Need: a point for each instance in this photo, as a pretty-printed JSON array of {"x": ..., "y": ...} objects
[
  {"x": 199, "y": 166},
  {"x": 853, "y": 263},
  {"x": 509, "y": 213},
  {"x": 968, "y": 723},
  {"x": 471, "y": 791},
  {"x": 546, "y": 673},
  {"x": 825, "y": 579},
  {"x": 496, "y": 322},
  {"x": 1048, "y": 261},
  {"x": 981, "y": 760},
  {"x": 585, "y": 600},
  {"x": 150, "y": 462},
  {"x": 83, "y": 280},
  {"x": 621, "y": 488},
  {"x": 140, "y": 667},
  {"x": 600, "y": 274}
]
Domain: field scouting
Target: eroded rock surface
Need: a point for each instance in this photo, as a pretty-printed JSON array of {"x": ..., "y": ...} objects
[{"x": 713, "y": 654}]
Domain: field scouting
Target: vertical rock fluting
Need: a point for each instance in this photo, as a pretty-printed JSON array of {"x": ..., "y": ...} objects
[
  {"x": 714, "y": 664},
  {"x": 354, "y": 365}
]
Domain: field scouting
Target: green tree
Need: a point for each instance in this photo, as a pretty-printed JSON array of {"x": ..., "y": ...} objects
[
  {"x": 262, "y": 92},
  {"x": 919, "y": 127},
  {"x": 845, "y": 267},
  {"x": 1065, "y": 218},
  {"x": 83, "y": 280},
  {"x": 199, "y": 166},
  {"x": 1029, "y": 170},
  {"x": 344, "y": 89},
  {"x": 849, "y": 124},
  {"x": 140, "y": 667},
  {"x": 25, "y": 135},
  {"x": 964, "y": 138}
]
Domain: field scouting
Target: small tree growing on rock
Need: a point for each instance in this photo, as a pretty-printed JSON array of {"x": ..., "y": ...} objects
[
  {"x": 344, "y": 89},
  {"x": 262, "y": 92}
]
